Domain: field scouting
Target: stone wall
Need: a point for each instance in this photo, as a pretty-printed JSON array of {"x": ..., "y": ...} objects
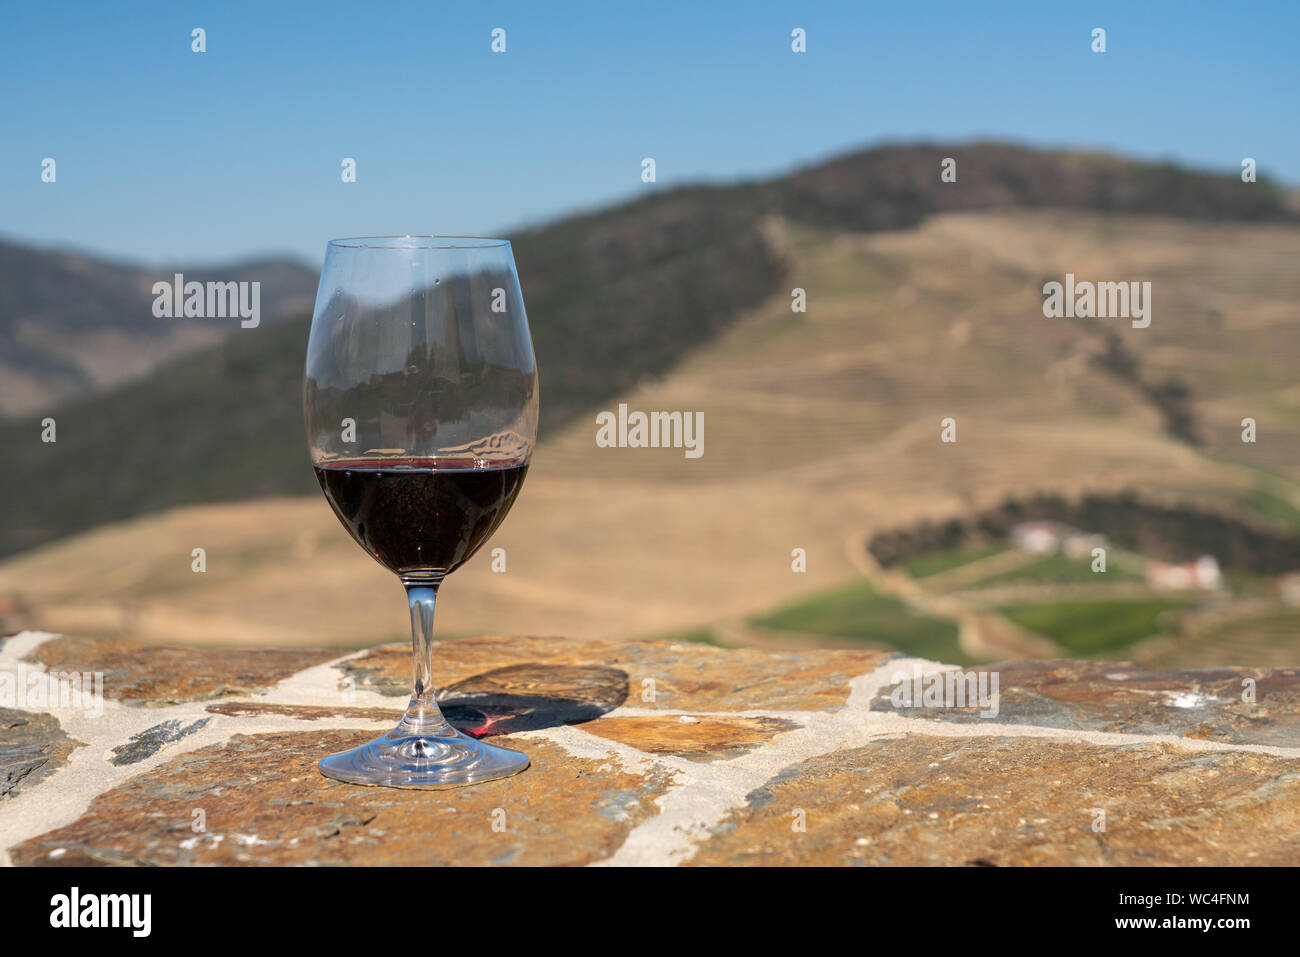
[{"x": 645, "y": 753}]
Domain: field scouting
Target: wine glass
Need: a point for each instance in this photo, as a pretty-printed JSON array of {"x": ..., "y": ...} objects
[{"x": 420, "y": 398}]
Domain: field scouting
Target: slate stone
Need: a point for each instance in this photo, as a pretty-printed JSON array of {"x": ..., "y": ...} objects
[
  {"x": 673, "y": 677},
  {"x": 1211, "y": 704},
  {"x": 698, "y": 738},
  {"x": 152, "y": 740},
  {"x": 264, "y": 802},
  {"x": 924, "y": 800},
  {"x": 32, "y": 747},
  {"x": 144, "y": 674}
]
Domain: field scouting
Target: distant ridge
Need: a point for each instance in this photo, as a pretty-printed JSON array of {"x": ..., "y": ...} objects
[
  {"x": 72, "y": 323},
  {"x": 893, "y": 187}
]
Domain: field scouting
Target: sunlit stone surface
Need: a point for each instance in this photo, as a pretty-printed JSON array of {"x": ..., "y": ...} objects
[{"x": 649, "y": 753}]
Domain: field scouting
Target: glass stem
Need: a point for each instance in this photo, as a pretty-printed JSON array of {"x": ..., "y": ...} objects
[{"x": 423, "y": 716}]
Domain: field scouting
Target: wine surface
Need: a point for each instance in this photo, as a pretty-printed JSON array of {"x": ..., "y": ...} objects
[{"x": 421, "y": 516}]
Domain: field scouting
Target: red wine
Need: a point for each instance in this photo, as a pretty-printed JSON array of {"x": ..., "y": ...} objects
[{"x": 423, "y": 517}]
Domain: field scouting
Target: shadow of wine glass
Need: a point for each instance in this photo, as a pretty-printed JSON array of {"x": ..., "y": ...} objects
[{"x": 528, "y": 697}]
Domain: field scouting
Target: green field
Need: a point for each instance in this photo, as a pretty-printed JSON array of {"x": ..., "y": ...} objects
[
  {"x": 1263, "y": 638},
  {"x": 1086, "y": 628},
  {"x": 1277, "y": 626},
  {"x": 1062, "y": 570},
  {"x": 933, "y": 563},
  {"x": 856, "y": 610},
  {"x": 694, "y": 636},
  {"x": 1274, "y": 508}
]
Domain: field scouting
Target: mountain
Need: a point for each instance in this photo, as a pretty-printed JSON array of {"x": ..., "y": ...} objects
[
  {"x": 822, "y": 433},
  {"x": 894, "y": 187},
  {"x": 616, "y": 299},
  {"x": 634, "y": 287},
  {"x": 72, "y": 325}
]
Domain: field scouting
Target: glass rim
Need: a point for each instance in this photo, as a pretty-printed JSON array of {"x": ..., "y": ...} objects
[{"x": 417, "y": 242}]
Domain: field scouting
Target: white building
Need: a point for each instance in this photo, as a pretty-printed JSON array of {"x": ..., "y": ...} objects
[
  {"x": 1202, "y": 573},
  {"x": 1288, "y": 586},
  {"x": 1042, "y": 538}
]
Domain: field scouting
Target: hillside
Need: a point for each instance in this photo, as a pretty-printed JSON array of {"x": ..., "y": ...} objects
[
  {"x": 72, "y": 325},
  {"x": 822, "y": 431},
  {"x": 619, "y": 297},
  {"x": 894, "y": 187}
]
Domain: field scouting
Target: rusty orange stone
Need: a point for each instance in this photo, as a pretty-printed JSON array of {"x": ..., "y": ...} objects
[
  {"x": 303, "y": 712},
  {"x": 264, "y": 802},
  {"x": 1212, "y": 704},
  {"x": 920, "y": 800},
  {"x": 699, "y": 738},
  {"x": 160, "y": 675},
  {"x": 677, "y": 677}
]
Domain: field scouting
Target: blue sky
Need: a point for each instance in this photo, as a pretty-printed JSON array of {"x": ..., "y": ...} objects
[{"x": 164, "y": 154}]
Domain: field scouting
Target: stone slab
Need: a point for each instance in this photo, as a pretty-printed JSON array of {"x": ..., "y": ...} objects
[
  {"x": 32, "y": 747},
  {"x": 264, "y": 802},
  {"x": 156, "y": 675},
  {"x": 694, "y": 737},
  {"x": 925, "y": 800},
  {"x": 1209, "y": 704},
  {"x": 676, "y": 677}
]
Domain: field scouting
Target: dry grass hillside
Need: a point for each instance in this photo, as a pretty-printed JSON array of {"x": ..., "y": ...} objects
[{"x": 820, "y": 429}]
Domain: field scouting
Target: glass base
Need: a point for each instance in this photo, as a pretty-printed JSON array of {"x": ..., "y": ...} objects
[{"x": 434, "y": 758}]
